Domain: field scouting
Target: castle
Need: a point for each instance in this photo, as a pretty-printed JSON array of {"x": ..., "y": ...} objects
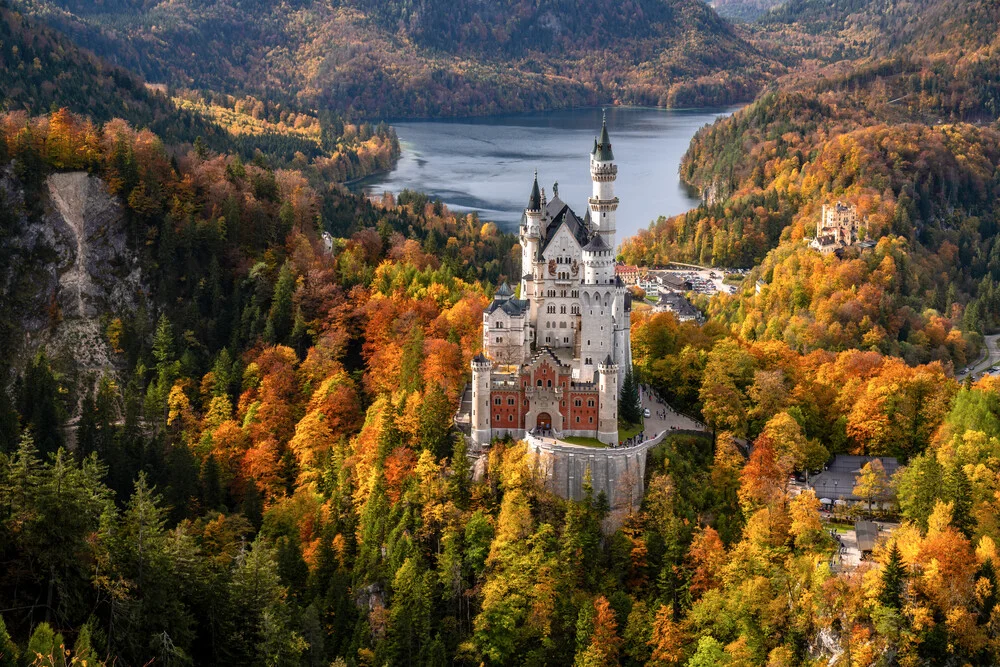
[
  {"x": 837, "y": 228},
  {"x": 552, "y": 356}
]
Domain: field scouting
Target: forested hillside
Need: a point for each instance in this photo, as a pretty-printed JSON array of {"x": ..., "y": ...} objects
[
  {"x": 227, "y": 438},
  {"x": 909, "y": 137},
  {"x": 42, "y": 70},
  {"x": 434, "y": 58},
  {"x": 266, "y": 474}
]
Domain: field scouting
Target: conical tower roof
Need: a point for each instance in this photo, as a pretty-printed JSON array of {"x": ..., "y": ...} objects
[
  {"x": 604, "y": 153},
  {"x": 535, "y": 200}
]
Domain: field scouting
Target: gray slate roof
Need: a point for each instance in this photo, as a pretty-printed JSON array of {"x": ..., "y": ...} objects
[
  {"x": 513, "y": 307},
  {"x": 604, "y": 153},
  {"x": 535, "y": 199},
  {"x": 564, "y": 215},
  {"x": 596, "y": 244}
]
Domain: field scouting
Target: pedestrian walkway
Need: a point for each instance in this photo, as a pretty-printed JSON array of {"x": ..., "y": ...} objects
[{"x": 662, "y": 417}]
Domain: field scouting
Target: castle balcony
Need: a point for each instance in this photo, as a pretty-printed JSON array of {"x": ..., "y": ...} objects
[
  {"x": 602, "y": 205},
  {"x": 604, "y": 173},
  {"x": 564, "y": 278},
  {"x": 531, "y": 392}
]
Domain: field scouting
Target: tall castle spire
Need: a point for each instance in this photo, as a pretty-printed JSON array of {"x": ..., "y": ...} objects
[
  {"x": 603, "y": 171},
  {"x": 535, "y": 199}
]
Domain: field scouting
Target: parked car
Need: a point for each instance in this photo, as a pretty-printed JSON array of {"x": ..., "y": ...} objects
[{"x": 646, "y": 413}]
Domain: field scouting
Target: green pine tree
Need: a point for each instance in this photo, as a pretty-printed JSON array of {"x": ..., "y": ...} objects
[
  {"x": 8, "y": 649},
  {"x": 893, "y": 580}
]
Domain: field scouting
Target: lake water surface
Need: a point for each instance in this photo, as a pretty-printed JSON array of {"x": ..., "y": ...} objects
[{"x": 486, "y": 164}]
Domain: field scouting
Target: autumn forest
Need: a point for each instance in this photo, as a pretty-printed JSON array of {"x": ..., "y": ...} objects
[{"x": 230, "y": 384}]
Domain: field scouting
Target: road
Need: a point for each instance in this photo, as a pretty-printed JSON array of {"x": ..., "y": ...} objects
[
  {"x": 990, "y": 356},
  {"x": 663, "y": 418}
]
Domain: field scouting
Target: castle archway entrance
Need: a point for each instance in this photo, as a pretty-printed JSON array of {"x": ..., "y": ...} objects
[{"x": 544, "y": 420}]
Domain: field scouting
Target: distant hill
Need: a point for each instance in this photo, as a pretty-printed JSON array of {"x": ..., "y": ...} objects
[
  {"x": 41, "y": 69},
  {"x": 426, "y": 58},
  {"x": 743, "y": 10}
]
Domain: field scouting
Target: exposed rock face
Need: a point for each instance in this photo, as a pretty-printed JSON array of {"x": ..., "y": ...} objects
[
  {"x": 96, "y": 274},
  {"x": 72, "y": 269}
]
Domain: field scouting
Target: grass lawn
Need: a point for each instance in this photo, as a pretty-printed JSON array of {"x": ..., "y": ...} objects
[
  {"x": 838, "y": 526},
  {"x": 627, "y": 431},
  {"x": 586, "y": 442}
]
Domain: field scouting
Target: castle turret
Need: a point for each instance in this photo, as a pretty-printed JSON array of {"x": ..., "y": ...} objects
[
  {"x": 607, "y": 410},
  {"x": 598, "y": 262},
  {"x": 530, "y": 236},
  {"x": 603, "y": 203},
  {"x": 480, "y": 418},
  {"x": 621, "y": 317}
]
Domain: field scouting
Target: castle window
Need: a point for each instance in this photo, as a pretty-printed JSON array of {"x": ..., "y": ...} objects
[
  {"x": 576, "y": 294},
  {"x": 562, "y": 310},
  {"x": 565, "y": 339},
  {"x": 499, "y": 339},
  {"x": 577, "y": 420},
  {"x": 551, "y": 310},
  {"x": 590, "y": 403},
  {"x": 539, "y": 383},
  {"x": 510, "y": 401},
  {"x": 578, "y": 402},
  {"x": 562, "y": 325},
  {"x": 497, "y": 419},
  {"x": 591, "y": 420},
  {"x": 497, "y": 401},
  {"x": 548, "y": 339},
  {"x": 589, "y": 360},
  {"x": 510, "y": 418},
  {"x": 575, "y": 309},
  {"x": 548, "y": 383}
]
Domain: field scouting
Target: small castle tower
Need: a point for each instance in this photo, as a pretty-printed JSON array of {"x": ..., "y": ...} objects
[
  {"x": 603, "y": 203},
  {"x": 480, "y": 418},
  {"x": 530, "y": 235},
  {"x": 598, "y": 262},
  {"x": 607, "y": 411}
]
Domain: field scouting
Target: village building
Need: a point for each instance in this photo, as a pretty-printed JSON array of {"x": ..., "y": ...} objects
[{"x": 629, "y": 273}]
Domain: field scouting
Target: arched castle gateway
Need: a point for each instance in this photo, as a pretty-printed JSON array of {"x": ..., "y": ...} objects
[{"x": 552, "y": 358}]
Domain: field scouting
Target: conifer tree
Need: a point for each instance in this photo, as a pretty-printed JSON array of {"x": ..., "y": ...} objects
[
  {"x": 629, "y": 403},
  {"x": 8, "y": 649},
  {"x": 893, "y": 580},
  {"x": 958, "y": 490},
  {"x": 410, "y": 378},
  {"x": 280, "y": 317}
]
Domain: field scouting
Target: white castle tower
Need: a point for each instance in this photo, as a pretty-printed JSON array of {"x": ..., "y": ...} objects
[
  {"x": 607, "y": 430},
  {"x": 603, "y": 203},
  {"x": 552, "y": 355},
  {"x": 480, "y": 417}
]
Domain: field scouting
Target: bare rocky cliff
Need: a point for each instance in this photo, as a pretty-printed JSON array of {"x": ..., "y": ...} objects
[{"x": 72, "y": 271}]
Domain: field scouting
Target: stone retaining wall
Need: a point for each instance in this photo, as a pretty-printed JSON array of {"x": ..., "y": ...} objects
[{"x": 619, "y": 473}]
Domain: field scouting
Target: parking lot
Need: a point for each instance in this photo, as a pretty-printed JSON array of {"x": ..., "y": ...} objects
[{"x": 703, "y": 280}]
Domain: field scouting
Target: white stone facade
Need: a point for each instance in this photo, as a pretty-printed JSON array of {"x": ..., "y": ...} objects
[{"x": 552, "y": 354}]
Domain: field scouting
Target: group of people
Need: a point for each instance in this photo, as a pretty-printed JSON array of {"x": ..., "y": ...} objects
[{"x": 636, "y": 439}]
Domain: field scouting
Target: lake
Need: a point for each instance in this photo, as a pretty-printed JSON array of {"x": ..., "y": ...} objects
[{"x": 486, "y": 164}]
